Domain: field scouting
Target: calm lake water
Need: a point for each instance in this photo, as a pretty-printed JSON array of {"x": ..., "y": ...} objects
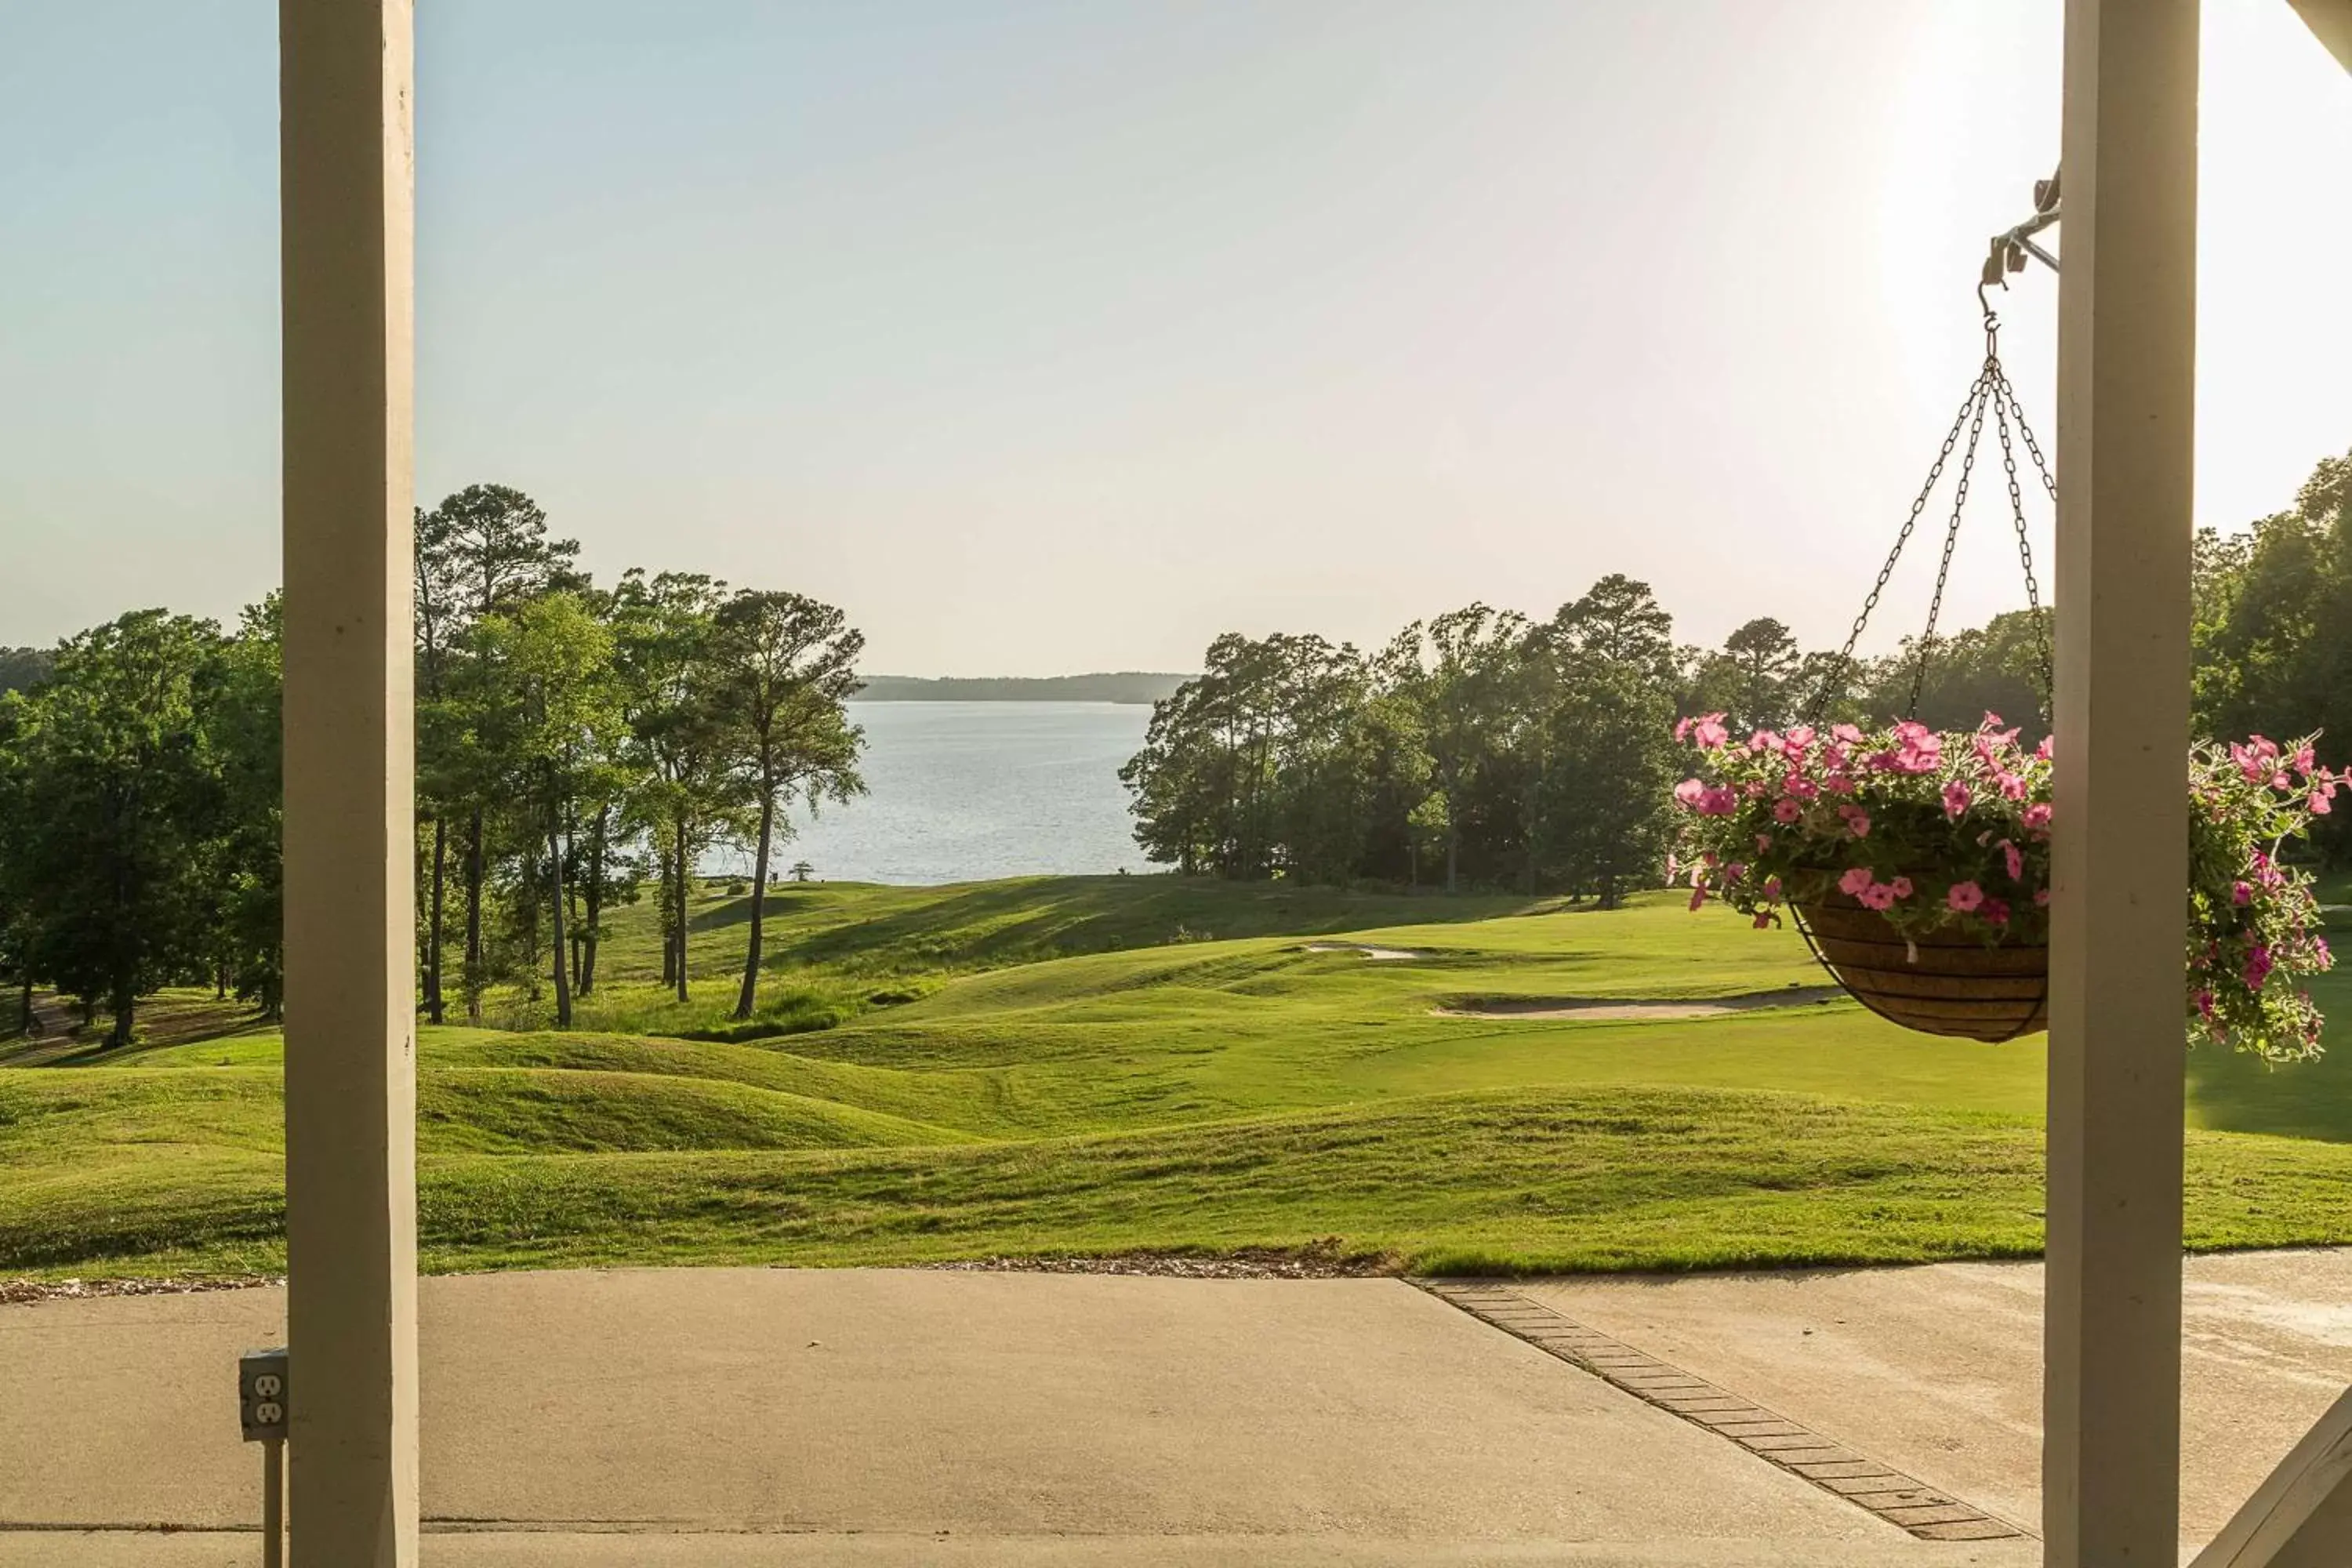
[{"x": 962, "y": 790}]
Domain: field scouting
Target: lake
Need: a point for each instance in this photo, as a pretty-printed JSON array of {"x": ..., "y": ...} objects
[{"x": 964, "y": 791}]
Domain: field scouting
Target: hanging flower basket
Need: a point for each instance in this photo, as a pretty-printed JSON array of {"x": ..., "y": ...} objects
[
  {"x": 1918, "y": 866},
  {"x": 1944, "y": 982}
]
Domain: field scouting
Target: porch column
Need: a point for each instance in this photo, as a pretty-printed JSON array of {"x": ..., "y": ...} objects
[
  {"x": 2126, "y": 359},
  {"x": 346, "y": 178}
]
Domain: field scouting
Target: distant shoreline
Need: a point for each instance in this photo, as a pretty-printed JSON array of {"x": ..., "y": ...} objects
[{"x": 1131, "y": 685}]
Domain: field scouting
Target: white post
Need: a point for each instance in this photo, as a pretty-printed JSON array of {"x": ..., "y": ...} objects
[
  {"x": 346, "y": 172},
  {"x": 2127, "y": 360}
]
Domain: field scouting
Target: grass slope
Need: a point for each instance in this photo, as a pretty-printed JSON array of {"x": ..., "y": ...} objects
[{"x": 1067, "y": 1081}]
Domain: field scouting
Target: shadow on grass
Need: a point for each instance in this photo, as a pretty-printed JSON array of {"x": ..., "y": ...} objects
[
  {"x": 1030, "y": 918},
  {"x": 167, "y": 1018}
]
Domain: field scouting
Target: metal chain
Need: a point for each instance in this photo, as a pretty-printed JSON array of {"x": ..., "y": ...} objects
[
  {"x": 1978, "y": 390},
  {"x": 1952, "y": 529},
  {"x": 2001, "y": 409}
]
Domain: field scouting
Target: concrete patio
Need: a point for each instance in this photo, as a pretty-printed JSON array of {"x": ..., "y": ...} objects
[{"x": 746, "y": 1416}]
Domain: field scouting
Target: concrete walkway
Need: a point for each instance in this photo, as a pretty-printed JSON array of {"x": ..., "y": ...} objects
[
  {"x": 1937, "y": 1371},
  {"x": 741, "y": 1416}
]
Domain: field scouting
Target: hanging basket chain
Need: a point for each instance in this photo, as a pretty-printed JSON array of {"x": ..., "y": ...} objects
[
  {"x": 2002, "y": 407},
  {"x": 1952, "y": 533},
  {"x": 1991, "y": 390},
  {"x": 1836, "y": 673}
]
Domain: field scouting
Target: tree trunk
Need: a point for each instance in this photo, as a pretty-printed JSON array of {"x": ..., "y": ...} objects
[
  {"x": 126, "y": 1005},
  {"x": 562, "y": 967},
  {"x": 25, "y": 1003},
  {"x": 678, "y": 883},
  {"x": 594, "y": 903},
  {"x": 751, "y": 993},
  {"x": 435, "y": 1007},
  {"x": 474, "y": 920}
]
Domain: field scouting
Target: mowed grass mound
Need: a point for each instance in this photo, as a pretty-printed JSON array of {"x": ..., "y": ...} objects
[{"x": 1180, "y": 1095}]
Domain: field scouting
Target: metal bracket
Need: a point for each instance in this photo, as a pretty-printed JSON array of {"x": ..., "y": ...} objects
[{"x": 2012, "y": 247}]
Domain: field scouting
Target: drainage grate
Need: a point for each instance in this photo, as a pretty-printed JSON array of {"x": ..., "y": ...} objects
[{"x": 1890, "y": 1494}]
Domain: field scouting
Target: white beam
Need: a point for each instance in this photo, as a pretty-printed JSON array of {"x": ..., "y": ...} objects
[
  {"x": 346, "y": 171},
  {"x": 2127, "y": 361},
  {"x": 2330, "y": 21},
  {"x": 2302, "y": 1516}
]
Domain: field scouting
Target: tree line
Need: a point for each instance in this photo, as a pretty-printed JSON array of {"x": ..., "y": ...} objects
[
  {"x": 577, "y": 746},
  {"x": 1486, "y": 748}
]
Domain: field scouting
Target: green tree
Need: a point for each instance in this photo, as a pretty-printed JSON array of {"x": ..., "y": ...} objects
[
  {"x": 787, "y": 667},
  {"x": 247, "y": 868},
  {"x": 117, "y": 791},
  {"x": 1459, "y": 669},
  {"x": 684, "y": 798},
  {"x": 559, "y": 657},
  {"x": 480, "y": 553}
]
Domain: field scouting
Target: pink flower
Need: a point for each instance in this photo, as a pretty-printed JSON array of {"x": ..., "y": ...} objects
[
  {"x": 1771, "y": 887},
  {"x": 2258, "y": 966},
  {"x": 2242, "y": 894},
  {"x": 1995, "y": 912},
  {"x": 2321, "y": 957},
  {"x": 1799, "y": 785},
  {"x": 2012, "y": 786},
  {"x": 1764, "y": 740},
  {"x": 1763, "y": 919},
  {"x": 2016, "y": 858},
  {"x": 1859, "y": 821},
  {"x": 1709, "y": 732},
  {"x": 1683, "y": 728},
  {"x": 1902, "y": 886},
  {"x": 1964, "y": 897},
  {"x": 1846, "y": 732},
  {"x": 1838, "y": 784},
  {"x": 1957, "y": 798},
  {"x": 2041, "y": 897},
  {"x": 2037, "y": 816},
  {"x": 2205, "y": 1005},
  {"x": 1690, "y": 792},
  {"x": 1785, "y": 810},
  {"x": 1721, "y": 802},
  {"x": 1802, "y": 736},
  {"x": 1855, "y": 879},
  {"x": 1763, "y": 842},
  {"x": 1877, "y": 895},
  {"x": 2317, "y": 805},
  {"x": 2258, "y": 762},
  {"x": 2304, "y": 760},
  {"x": 1699, "y": 897}
]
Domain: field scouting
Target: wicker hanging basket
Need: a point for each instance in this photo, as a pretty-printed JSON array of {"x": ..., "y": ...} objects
[{"x": 1942, "y": 983}]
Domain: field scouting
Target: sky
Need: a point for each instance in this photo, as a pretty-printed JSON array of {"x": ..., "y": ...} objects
[{"x": 1053, "y": 335}]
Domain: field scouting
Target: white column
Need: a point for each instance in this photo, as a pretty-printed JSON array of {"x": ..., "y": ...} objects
[
  {"x": 346, "y": 171},
  {"x": 2127, "y": 360}
]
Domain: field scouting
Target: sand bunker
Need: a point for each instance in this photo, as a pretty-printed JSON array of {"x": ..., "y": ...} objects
[
  {"x": 1377, "y": 955},
  {"x": 1598, "y": 1009}
]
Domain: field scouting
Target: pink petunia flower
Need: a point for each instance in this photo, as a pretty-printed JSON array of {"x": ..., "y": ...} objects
[
  {"x": 2037, "y": 816},
  {"x": 2041, "y": 897},
  {"x": 1699, "y": 897},
  {"x": 1902, "y": 886},
  {"x": 2015, "y": 858},
  {"x": 1846, "y": 732},
  {"x": 1709, "y": 733},
  {"x": 2317, "y": 804},
  {"x": 1690, "y": 792},
  {"x": 2258, "y": 967},
  {"x": 1877, "y": 895},
  {"x": 1859, "y": 823},
  {"x": 1964, "y": 897},
  {"x": 1719, "y": 802},
  {"x": 1957, "y": 798},
  {"x": 1773, "y": 886},
  {"x": 1995, "y": 912},
  {"x": 1763, "y": 842},
  {"x": 2205, "y": 1004},
  {"x": 1763, "y": 919},
  {"x": 1855, "y": 879},
  {"x": 1785, "y": 810},
  {"x": 2242, "y": 894}
]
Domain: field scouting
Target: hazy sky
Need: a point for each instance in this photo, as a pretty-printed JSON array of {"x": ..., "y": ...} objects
[{"x": 1063, "y": 334}]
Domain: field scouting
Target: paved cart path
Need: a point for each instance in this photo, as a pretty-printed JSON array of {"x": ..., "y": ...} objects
[{"x": 728, "y": 1417}]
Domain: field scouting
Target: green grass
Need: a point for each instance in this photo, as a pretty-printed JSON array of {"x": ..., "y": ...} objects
[{"x": 1076, "y": 1071}]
